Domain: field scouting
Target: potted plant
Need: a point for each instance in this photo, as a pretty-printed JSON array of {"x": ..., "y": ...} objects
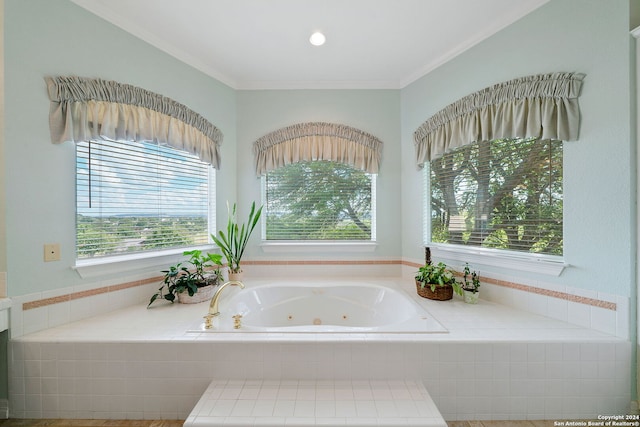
[
  {"x": 436, "y": 282},
  {"x": 234, "y": 242},
  {"x": 471, "y": 285},
  {"x": 190, "y": 285},
  {"x": 203, "y": 262}
]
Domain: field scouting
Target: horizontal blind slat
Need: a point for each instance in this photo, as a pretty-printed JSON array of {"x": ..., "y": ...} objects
[
  {"x": 505, "y": 194},
  {"x": 318, "y": 201},
  {"x": 143, "y": 197}
]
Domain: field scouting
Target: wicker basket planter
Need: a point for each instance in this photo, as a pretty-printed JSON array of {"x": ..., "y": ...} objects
[
  {"x": 441, "y": 293},
  {"x": 201, "y": 279},
  {"x": 204, "y": 294}
]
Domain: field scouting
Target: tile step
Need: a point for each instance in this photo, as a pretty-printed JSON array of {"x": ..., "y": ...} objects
[{"x": 299, "y": 403}]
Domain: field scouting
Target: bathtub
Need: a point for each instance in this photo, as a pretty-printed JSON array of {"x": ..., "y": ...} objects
[{"x": 319, "y": 307}]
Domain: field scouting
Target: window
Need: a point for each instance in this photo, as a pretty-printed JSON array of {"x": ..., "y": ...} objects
[
  {"x": 319, "y": 201},
  {"x": 136, "y": 197},
  {"x": 503, "y": 194}
]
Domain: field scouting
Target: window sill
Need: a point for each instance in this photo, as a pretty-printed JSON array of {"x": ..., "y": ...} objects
[
  {"x": 151, "y": 262},
  {"x": 544, "y": 264},
  {"x": 334, "y": 247}
]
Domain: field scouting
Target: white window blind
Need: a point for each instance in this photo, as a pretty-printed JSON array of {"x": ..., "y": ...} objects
[
  {"x": 319, "y": 201},
  {"x": 140, "y": 197},
  {"x": 501, "y": 194}
]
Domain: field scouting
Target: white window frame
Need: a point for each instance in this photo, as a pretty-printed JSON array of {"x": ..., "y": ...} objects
[
  {"x": 551, "y": 265},
  {"x": 333, "y": 246},
  {"x": 150, "y": 261}
]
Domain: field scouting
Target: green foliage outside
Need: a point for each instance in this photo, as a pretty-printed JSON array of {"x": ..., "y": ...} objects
[
  {"x": 504, "y": 194},
  {"x": 125, "y": 234},
  {"x": 318, "y": 200}
]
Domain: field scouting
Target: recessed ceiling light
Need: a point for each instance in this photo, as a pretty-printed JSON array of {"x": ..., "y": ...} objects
[{"x": 317, "y": 39}]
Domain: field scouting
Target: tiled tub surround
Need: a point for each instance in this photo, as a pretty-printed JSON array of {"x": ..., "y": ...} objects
[
  {"x": 595, "y": 310},
  {"x": 496, "y": 362},
  {"x": 43, "y": 310}
]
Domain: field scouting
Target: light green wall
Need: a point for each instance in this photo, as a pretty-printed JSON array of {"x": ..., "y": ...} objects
[
  {"x": 374, "y": 111},
  {"x": 588, "y": 36},
  {"x": 45, "y": 37},
  {"x": 50, "y": 37},
  {"x": 634, "y": 20},
  {"x": 4, "y": 365},
  {"x": 3, "y": 237},
  {"x": 41, "y": 206},
  {"x": 56, "y": 37}
]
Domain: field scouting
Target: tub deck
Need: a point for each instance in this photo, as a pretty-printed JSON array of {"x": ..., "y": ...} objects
[
  {"x": 495, "y": 363},
  {"x": 165, "y": 322}
]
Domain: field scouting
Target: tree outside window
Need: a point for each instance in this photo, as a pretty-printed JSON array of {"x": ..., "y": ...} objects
[
  {"x": 319, "y": 200},
  {"x": 504, "y": 194}
]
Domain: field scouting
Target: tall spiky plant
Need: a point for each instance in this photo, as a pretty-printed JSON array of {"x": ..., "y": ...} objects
[{"x": 234, "y": 241}]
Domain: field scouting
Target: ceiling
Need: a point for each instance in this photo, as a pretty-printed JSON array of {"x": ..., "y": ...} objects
[{"x": 264, "y": 44}]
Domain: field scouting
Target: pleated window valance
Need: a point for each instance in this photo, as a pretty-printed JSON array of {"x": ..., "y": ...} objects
[
  {"x": 543, "y": 106},
  {"x": 84, "y": 109},
  {"x": 317, "y": 141}
]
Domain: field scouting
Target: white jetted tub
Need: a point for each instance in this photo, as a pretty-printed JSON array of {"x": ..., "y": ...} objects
[{"x": 317, "y": 307}]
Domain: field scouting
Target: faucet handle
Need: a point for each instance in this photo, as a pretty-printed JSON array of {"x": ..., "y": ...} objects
[
  {"x": 236, "y": 321},
  {"x": 208, "y": 322}
]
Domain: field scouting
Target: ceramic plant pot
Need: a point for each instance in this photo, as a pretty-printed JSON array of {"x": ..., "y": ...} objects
[
  {"x": 236, "y": 276},
  {"x": 471, "y": 297}
]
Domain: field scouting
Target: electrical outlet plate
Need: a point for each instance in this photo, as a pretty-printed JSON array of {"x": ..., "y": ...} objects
[{"x": 51, "y": 252}]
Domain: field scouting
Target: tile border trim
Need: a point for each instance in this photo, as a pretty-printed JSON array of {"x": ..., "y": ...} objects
[
  {"x": 88, "y": 293},
  {"x": 512, "y": 285},
  {"x": 546, "y": 292}
]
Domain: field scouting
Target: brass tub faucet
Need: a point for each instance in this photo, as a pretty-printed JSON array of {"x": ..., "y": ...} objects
[{"x": 213, "y": 306}]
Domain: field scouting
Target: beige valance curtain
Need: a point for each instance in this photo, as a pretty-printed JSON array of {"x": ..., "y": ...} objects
[
  {"x": 543, "y": 106},
  {"x": 317, "y": 141},
  {"x": 84, "y": 109}
]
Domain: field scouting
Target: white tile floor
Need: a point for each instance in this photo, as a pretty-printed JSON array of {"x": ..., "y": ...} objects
[{"x": 308, "y": 403}]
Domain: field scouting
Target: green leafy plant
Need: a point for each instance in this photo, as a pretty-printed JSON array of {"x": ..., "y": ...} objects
[
  {"x": 234, "y": 242},
  {"x": 202, "y": 261},
  {"x": 437, "y": 275},
  {"x": 471, "y": 280},
  {"x": 179, "y": 278}
]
